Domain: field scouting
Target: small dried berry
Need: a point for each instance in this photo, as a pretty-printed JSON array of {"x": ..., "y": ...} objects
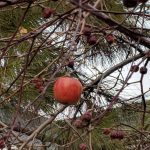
[
  {"x": 5, "y": 137},
  {"x": 47, "y": 12},
  {"x": 38, "y": 83},
  {"x": 82, "y": 146},
  {"x": 87, "y": 116},
  {"x": 106, "y": 131},
  {"x": 17, "y": 127},
  {"x": 37, "y": 86},
  {"x": 40, "y": 89},
  {"x": 118, "y": 134},
  {"x": 92, "y": 40},
  {"x": 71, "y": 64},
  {"x": 2, "y": 144},
  {"x": 110, "y": 39},
  {"x": 78, "y": 123},
  {"x": 143, "y": 70},
  {"x": 87, "y": 31},
  {"x": 134, "y": 68},
  {"x": 113, "y": 135}
]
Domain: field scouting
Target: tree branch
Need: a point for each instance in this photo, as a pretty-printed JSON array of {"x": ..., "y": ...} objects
[
  {"x": 101, "y": 16},
  {"x": 41, "y": 127},
  {"x": 113, "y": 69}
]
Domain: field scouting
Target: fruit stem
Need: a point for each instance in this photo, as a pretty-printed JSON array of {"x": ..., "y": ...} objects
[{"x": 67, "y": 74}]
